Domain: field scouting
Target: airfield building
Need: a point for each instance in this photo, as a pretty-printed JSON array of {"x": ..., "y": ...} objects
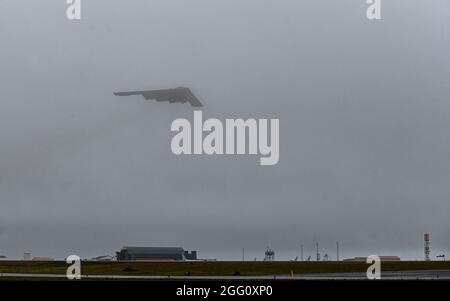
[
  {"x": 155, "y": 253},
  {"x": 382, "y": 258}
]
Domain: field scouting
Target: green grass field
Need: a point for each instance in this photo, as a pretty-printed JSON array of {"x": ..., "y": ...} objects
[{"x": 211, "y": 268}]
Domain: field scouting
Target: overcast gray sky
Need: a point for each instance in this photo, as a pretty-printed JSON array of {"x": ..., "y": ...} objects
[{"x": 364, "y": 111}]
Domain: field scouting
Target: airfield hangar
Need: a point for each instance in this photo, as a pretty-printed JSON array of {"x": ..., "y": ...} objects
[
  {"x": 155, "y": 253},
  {"x": 382, "y": 258}
]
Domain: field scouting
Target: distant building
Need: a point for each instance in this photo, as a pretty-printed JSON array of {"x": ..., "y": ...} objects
[
  {"x": 192, "y": 255},
  {"x": 155, "y": 253},
  {"x": 43, "y": 259},
  {"x": 103, "y": 258},
  {"x": 26, "y": 256},
  {"x": 382, "y": 258}
]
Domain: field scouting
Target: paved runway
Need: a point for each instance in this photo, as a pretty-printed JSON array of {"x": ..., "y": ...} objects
[{"x": 401, "y": 275}]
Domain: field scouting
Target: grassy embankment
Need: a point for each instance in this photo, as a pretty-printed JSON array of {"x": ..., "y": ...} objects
[{"x": 212, "y": 268}]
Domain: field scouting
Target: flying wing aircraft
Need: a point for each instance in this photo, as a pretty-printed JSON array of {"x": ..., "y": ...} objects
[{"x": 176, "y": 95}]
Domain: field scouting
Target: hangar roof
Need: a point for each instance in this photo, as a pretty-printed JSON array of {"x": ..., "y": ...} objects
[{"x": 153, "y": 250}]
